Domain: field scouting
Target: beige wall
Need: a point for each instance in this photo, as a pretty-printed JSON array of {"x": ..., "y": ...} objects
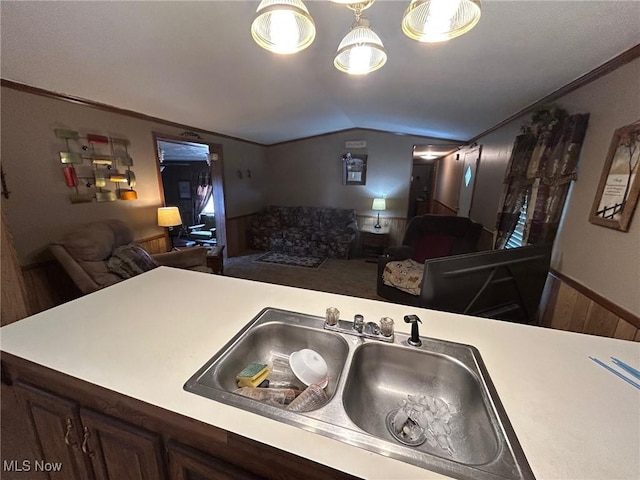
[
  {"x": 604, "y": 260},
  {"x": 309, "y": 172},
  {"x": 448, "y": 180},
  {"x": 39, "y": 210}
]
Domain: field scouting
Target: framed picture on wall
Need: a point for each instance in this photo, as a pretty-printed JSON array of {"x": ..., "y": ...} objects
[
  {"x": 184, "y": 190},
  {"x": 619, "y": 188},
  {"x": 354, "y": 169}
]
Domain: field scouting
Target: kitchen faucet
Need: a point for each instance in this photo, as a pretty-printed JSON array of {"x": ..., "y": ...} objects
[{"x": 414, "y": 340}]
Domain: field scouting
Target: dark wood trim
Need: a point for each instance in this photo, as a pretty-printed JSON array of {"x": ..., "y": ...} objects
[
  {"x": 346, "y": 130},
  {"x": 240, "y": 217},
  {"x": 453, "y": 210},
  {"x": 626, "y": 315},
  {"x": 121, "y": 111},
  {"x": 216, "y": 170},
  {"x": 607, "y": 67},
  {"x": 152, "y": 238}
]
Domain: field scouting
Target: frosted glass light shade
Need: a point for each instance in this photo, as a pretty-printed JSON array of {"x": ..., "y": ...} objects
[
  {"x": 354, "y": 4},
  {"x": 379, "y": 204},
  {"x": 440, "y": 20},
  {"x": 283, "y": 26},
  {"x": 361, "y": 51},
  {"x": 169, "y": 217}
]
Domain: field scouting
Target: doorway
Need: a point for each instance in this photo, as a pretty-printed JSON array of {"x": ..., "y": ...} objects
[
  {"x": 468, "y": 182},
  {"x": 191, "y": 178},
  {"x": 421, "y": 189}
]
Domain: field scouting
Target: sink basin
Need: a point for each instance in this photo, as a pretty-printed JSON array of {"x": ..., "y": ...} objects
[{"x": 468, "y": 435}]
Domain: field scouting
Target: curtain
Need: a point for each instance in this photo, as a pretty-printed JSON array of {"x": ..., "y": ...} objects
[
  {"x": 541, "y": 169},
  {"x": 203, "y": 192}
]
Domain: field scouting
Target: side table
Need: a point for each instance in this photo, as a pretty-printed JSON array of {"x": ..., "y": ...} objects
[
  {"x": 373, "y": 241},
  {"x": 215, "y": 260}
]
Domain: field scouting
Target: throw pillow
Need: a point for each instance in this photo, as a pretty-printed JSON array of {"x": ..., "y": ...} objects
[
  {"x": 432, "y": 245},
  {"x": 130, "y": 260}
]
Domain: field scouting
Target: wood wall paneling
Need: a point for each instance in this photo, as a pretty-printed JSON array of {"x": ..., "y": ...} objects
[
  {"x": 572, "y": 307},
  {"x": 238, "y": 238},
  {"x": 14, "y": 292}
]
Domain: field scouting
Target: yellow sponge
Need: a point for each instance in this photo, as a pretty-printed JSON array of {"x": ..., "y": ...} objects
[{"x": 253, "y": 375}]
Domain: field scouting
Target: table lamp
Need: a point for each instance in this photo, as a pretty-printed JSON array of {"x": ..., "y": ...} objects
[
  {"x": 169, "y": 217},
  {"x": 379, "y": 204}
]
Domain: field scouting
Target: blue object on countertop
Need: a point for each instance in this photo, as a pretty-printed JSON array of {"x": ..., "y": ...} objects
[
  {"x": 615, "y": 372},
  {"x": 628, "y": 368}
]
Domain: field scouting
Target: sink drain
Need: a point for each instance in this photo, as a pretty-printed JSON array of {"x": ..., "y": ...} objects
[{"x": 409, "y": 433}]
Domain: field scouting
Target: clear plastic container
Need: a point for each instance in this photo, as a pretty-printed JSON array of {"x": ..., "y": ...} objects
[
  {"x": 278, "y": 397},
  {"x": 312, "y": 398}
]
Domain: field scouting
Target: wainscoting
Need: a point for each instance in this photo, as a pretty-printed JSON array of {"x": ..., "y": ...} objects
[
  {"x": 573, "y": 307},
  {"x": 568, "y": 305},
  {"x": 48, "y": 285},
  {"x": 238, "y": 229}
]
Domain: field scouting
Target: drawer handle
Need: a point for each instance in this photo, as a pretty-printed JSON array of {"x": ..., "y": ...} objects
[
  {"x": 67, "y": 434},
  {"x": 85, "y": 443}
]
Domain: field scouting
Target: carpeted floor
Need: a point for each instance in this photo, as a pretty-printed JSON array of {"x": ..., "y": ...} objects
[{"x": 355, "y": 277}]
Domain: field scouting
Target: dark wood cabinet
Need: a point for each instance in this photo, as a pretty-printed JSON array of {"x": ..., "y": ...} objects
[
  {"x": 56, "y": 433},
  {"x": 98, "y": 434},
  {"x": 373, "y": 241},
  {"x": 118, "y": 450},
  {"x": 185, "y": 463},
  {"x": 85, "y": 444}
]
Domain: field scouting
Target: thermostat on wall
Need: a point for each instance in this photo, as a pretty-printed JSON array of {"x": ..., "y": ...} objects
[{"x": 355, "y": 144}]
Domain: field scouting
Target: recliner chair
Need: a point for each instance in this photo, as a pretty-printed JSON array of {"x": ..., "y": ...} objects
[
  {"x": 428, "y": 236},
  {"x": 85, "y": 252}
]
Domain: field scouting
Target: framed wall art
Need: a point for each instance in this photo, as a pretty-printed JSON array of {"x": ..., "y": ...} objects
[
  {"x": 184, "y": 190},
  {"x": 619, "y": 187},
  {"x": 354, "y": 169}
]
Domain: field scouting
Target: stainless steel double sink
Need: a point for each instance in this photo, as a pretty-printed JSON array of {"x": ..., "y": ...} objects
[{"x": 470, "y": 436}]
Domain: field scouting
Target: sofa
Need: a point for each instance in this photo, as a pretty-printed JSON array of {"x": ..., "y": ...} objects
[
  {"x": 102, "y": 253},
  {"x": 315, "y": 231}
]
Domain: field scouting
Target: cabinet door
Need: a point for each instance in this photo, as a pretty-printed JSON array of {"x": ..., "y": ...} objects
[
  {"x": 54, "y": 425},
  {"x": 119, "y": 450},
  {"x": 185, "y": 463}
]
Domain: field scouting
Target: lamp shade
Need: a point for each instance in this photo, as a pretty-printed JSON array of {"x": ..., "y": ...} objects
[
  {"x": 379, "y": 204},
  {"x": 283, "y": 26},
  {"x": 169, "y": 217},
  {"x": 440, "y": 20},
  {"x": 361, "y": 50}
]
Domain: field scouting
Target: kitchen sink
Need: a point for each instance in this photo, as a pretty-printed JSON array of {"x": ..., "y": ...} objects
[{"x": 456, "y": 424}]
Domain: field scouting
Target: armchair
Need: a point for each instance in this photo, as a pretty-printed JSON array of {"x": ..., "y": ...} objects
[
  {"x": 101, "y": 253},
  {"x": 426, "y": 237},
  {"x": 204, "y": 231}
]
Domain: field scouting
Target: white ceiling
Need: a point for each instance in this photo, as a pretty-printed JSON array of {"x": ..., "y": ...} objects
[{"x": 195, "y": 63}]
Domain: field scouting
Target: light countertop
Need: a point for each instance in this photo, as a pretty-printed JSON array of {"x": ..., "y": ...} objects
[{"x": 146, "y": 336}]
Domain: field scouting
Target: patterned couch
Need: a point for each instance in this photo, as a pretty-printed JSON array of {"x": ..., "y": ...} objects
[{"x": 317, "y": 231}]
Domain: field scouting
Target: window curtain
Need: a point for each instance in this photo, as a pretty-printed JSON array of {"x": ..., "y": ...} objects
[
  {"x": 203, "y": 192},
  {"x": 542, "y": 165}
]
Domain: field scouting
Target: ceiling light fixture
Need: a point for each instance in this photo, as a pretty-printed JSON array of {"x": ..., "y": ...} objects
[
  {"x": 283, "y": 26},
  {"x": 440, "y": 20},
  {"x": 361, "y": 50},
  {"x": 362, "y": 4}
]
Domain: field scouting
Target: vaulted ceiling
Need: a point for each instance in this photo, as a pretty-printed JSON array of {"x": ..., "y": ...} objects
[{"x": 195, "y": 63}]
